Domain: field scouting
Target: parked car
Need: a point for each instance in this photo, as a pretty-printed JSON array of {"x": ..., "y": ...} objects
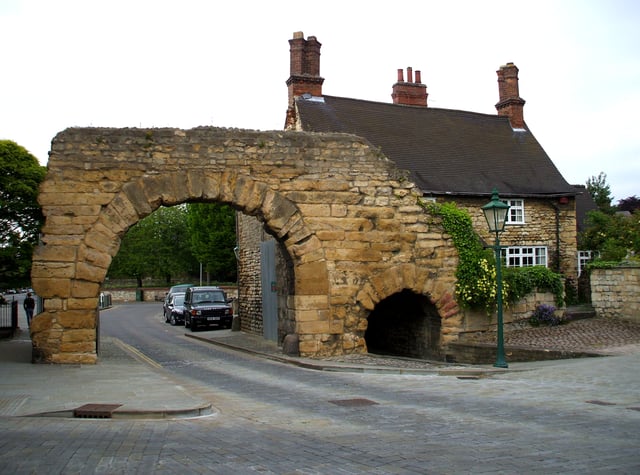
[
  {"x": 174, "y": 310},
  {"x": 207, "y": 306},
  {"x": 173, "y": 290}
]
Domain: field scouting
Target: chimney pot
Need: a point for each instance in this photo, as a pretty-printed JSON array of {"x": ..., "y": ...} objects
[{"x": 409, "y": 93}]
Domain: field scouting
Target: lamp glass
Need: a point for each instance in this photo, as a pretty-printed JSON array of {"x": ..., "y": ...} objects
[{"x": 495, "y": 212}]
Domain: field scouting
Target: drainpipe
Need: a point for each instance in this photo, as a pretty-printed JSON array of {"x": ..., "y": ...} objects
[{"x": 557, "y": 214}]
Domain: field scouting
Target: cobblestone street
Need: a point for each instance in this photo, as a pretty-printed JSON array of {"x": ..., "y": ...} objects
[
  {"x": 596, "y": 335},
  {"x": 571, "y": 416},
  {"x": 600, "y": 336}
]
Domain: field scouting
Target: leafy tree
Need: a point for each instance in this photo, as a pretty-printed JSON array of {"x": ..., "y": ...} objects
[
  {"x": 613, "y": 235},
  {"x": 600, "y": 191},
  {"x": 211, "y": 228},
  {"x": 156, "y": 246},
  {"x": 20, "y": 214},
  {"x": 630, "y": 204}
]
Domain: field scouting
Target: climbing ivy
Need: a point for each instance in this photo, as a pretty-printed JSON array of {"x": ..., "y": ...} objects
[
  {"x": 476, "y": 285},
  {"x": 525, "y": 280},
  {"x": 476, "y": 272}
]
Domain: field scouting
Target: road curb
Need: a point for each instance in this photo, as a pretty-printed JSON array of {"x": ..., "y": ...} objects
[
  {"x": 204, "y": 410},
  {"x": 344, "y": 367}
]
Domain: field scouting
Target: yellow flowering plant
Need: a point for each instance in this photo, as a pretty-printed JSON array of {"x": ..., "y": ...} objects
[{"x": 476, "y": 285}]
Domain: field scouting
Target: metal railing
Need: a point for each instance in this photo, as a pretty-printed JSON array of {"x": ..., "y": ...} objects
[{"x": 8, "y": 318}]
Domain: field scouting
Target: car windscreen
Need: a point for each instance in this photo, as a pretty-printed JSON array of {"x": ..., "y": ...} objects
[
  {"x": 212, "y": 296},
  {"x": 178, "y": 300}
]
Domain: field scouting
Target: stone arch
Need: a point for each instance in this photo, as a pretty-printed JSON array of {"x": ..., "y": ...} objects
[
  {"x": 347, "y": 217},
  {"x": 138, "y": 199},
  {"x": 420, "y": 281}
]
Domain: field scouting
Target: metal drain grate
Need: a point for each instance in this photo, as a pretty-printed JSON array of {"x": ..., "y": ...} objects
[
  {"x": 95, "y": 411},
  {"x": 357, "y": 402}
]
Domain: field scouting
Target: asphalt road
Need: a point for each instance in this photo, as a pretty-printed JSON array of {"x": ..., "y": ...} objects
[{"x": 574, "y": 416}]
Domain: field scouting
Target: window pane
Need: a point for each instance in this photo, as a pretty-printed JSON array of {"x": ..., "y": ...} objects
[
  {"x": 516, "y": 211},
  {"x": 520, "y": 256}
]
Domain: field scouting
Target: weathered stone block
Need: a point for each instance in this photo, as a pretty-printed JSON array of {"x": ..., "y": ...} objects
[
  {"x": 50, "y": 286},
  {"x": 77, "y": 319},
  {"x": 312, "y": 279}
]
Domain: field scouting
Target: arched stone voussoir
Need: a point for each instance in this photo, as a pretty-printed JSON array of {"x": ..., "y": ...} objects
[
  {"x": 249, "y": 194},
  {"x": 136, "y": 194},
  {"x": 391, "y": 281},
  {"x": 277, "y": 210},
  {"x": 104, "y": 239},
  {"x": 202, "y": 184},
  {"x": 308, "y": 249},
  {"x": 227, "y": 185},
  {"x": 367, "y": 297},
  {"x": 166, "y": 189},
  {"x": 111, "y": 218}
]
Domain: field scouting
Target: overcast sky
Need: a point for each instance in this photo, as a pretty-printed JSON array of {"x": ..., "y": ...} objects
[{"x": 187, "y": 63}]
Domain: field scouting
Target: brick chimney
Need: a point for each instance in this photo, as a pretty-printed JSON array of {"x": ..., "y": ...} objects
[
  {"x": 511, "y": 104},
  {"x": 304, "y": 75},
  {"x": 409, "y": 93}
]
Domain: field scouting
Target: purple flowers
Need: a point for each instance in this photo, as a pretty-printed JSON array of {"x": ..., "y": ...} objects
[{"x": 544, "y": 315}]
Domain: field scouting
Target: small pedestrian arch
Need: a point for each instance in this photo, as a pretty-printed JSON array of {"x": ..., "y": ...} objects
[{"x": 346, "y": 216}]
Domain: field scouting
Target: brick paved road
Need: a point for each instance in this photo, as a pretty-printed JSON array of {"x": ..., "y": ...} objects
[
  {"x": 579, "y": 416},
  {"x": 595, "y": 335}
]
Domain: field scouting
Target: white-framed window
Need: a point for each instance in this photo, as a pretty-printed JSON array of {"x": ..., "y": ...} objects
[
  {"x": 525, "y": 256},
  {"x": 516, "y": 212},
  {"x": 585, "y": 257}
]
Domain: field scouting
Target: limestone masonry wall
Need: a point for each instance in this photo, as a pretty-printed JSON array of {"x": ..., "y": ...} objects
[
  {"x": 615, "y": 293},
  {"x": 346, "y": 218},
  {"x": 558, "y": 235}
]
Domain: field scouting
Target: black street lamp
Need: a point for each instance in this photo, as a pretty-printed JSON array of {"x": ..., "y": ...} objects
[{"x": 495, "y": 212}]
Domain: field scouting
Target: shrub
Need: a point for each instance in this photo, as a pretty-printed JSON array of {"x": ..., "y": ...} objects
[
  {"x": 476, "y": 272},
  {"x": 525, "y": 280},
  {"x": 544, "y": 315}
]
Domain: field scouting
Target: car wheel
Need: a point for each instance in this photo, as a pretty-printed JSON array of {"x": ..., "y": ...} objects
[
  {"x": 187, "y": 323},
  {"x": 172, "y": 320}
]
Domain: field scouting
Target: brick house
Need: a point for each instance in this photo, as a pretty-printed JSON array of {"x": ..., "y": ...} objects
[{"x": 451, "y": 155}]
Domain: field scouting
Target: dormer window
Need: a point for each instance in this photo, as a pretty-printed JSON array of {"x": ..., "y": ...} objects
[{"x": 516, "y": 212}]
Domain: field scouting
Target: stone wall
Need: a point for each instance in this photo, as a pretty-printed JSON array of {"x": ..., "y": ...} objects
[
  {"x": 615, "y": 293},
  {"x": 547, "y": 223},
  {"x": 346, "y": 220},
  {"x": 250, "y": 233},
  {"x": 154, "y": 294},
  {"x": 513, "y": 315}
]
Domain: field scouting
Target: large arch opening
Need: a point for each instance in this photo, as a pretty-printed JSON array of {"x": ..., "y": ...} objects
[
  {"x": 404, "y": 324},
  {"x": 259, "y": 308}
]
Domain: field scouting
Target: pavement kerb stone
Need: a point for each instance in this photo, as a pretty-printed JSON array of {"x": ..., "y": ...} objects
[
  {"x": 187, "y": 413},
  {"x": 319, "y": 365}
]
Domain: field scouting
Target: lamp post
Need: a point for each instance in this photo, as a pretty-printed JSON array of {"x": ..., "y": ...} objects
[{"x": 495, "y": 212}]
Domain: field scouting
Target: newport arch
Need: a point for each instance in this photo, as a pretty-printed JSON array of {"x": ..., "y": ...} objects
[{"x": 348, "y": 219}]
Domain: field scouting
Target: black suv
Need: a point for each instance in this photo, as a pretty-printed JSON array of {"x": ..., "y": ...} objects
[{"x": 205, "y": 306}]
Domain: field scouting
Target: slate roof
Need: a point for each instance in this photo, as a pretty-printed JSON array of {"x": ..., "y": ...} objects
[
  {"x": 584, "y": 204},
  {"x": 446, "y": 151}
]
